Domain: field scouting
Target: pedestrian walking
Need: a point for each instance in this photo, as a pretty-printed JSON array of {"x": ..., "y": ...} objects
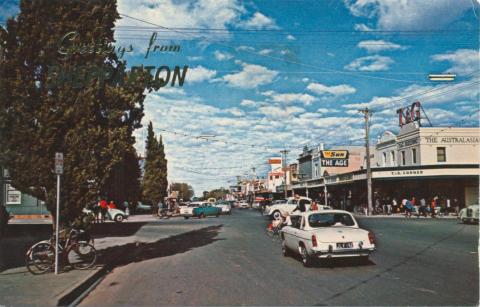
[
  {"x": 4, "y": 217},
  {"x": 448, "y": 206},
  {"x": 394, "y": 205},
  {"x": 432, "y": 207},
  {"x": 423, "y": 207},
  {"x": 456, "y": 206},
  {"x": 96, "y": 213}
]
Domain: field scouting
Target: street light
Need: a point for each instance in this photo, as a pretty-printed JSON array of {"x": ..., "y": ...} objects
[{"x": 442, "y": 77}]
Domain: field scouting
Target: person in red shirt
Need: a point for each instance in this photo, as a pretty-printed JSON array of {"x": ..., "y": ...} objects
[
  {"x": 112, "y": 205},
  {"x": 103, "y": 209}
]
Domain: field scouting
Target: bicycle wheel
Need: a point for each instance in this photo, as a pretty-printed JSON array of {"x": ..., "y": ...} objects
[
  {"x": 40, "y": 258},
  {"x": 82, "y": 255}
]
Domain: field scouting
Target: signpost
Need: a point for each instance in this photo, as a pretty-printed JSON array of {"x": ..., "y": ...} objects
[{"x": 58, "y": 171}]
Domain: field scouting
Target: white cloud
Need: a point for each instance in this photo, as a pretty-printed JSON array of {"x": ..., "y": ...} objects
[
  {"x": 463, "y": 91},
  {"x": 251, "y": 76},
  {"x": 248, "y": 103},
  {"x": 244, "y": 48},
  {"x": 198, "y": 14},
  {"x": 291, "y": 37},
  {"x": 464, "y": 61},
  {"x": 378, "y": 45},
  {"x": 330, "y": 54},
  {"x": 305, "y": 80},
  {"x": 289, "y": 97},
  {"x": 222, "y": 56},
  {"x": 409, "y": 14},
  {"x": 337, "y": 90},
  {"x": 258, "y": 21},
  {"x": 279, "y": 112},
  {"x": 294, "y": 97},
  {"x": 284, "y": 52},
  {"x": 265, "y": 51},
  {"x": 370, "y": 63},
  {"x": 199, "y": 74}
]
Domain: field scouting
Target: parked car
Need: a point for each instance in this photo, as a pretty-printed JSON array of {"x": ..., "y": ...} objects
[
  {"x": 276, "y": 211},
  {"x": 143, "y": 208},
  {"x": 187, "y": 211},
  {"x": 116, "y": 215},
  {"x": 243, "y": 205},
  {"x": 469, "y": 214},
  {"x": 224, "y": 206},
  {"x": 206, "y": 209},
  {"x": 326, "y": 234}
]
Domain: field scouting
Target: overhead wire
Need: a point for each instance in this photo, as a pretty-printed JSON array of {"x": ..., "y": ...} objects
[{"x": 273, "y": 57}]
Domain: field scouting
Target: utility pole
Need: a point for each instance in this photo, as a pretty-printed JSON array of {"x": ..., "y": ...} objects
[
  {"x": 367, "y": 114},
  {"x": 253, "y": 186},
  {"x": 284, "y": 164}
]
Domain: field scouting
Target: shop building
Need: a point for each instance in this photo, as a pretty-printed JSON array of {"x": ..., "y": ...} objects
[{"x": 420, "y": 162}]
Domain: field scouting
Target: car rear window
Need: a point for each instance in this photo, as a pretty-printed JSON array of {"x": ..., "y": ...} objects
[{"x": 330, "y": 219}]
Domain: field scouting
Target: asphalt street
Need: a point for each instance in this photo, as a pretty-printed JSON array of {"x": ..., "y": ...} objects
[{"x": 230, "y": 261}]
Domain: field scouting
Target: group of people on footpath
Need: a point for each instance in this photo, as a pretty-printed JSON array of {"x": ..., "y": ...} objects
[
  {"x": 423, "y": 207},
  {"x": 100, "y": 210}
]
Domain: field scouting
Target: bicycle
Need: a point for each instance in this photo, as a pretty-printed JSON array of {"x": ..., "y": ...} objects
[
  {"x": 274, "y": 233},
  {"x": 75, "y": 250}
]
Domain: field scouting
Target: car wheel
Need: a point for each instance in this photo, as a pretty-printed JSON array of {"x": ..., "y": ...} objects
[
  {"x": 186, "y": 217},
  {"x": 306, "y": 259},
  {"x": 202, "y": 215},
  {"x": 285, "y": 251},
  {"x": 217, "y": 215},
  {"x": 276, "y": 215},
  {"x": 118, "y": 218}
]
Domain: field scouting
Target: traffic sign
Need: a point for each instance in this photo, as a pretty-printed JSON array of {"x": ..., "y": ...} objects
[{"x": 59, "y": 163}]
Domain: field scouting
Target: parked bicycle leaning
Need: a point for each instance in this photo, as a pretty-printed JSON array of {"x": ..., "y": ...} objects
[{"x": 75, "y": 248}]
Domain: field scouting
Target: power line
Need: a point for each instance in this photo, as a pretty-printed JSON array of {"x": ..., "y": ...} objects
[{"x": 276, "y": 58}]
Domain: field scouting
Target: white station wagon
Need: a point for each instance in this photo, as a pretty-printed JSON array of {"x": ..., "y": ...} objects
[{"x": 326, "y": 234}]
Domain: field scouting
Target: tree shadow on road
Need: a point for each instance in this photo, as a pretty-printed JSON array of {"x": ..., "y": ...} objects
[{"x": 136, "y": 252}]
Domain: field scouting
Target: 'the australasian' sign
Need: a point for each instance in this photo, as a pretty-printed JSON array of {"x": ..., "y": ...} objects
[{"x": 334, "y": 158}]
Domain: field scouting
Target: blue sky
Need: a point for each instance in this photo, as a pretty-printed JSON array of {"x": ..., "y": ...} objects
[{"x": 283, "y": 73}]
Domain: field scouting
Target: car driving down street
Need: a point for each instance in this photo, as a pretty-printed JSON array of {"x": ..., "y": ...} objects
[{"x": 326, "y": 234}]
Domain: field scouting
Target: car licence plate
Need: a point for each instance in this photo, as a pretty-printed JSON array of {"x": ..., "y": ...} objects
[{"x": 345, "y": 245}]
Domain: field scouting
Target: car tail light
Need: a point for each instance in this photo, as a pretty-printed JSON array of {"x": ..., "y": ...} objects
[
  {"x": 314, "y": 241},
  {"x": 371, "y": 237}
]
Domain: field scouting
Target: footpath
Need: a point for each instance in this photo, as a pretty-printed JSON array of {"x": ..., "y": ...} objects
[{"x": 19, "y": 287}]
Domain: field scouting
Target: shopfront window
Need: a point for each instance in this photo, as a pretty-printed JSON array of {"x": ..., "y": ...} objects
[
  {"x": 403, "y": 157},
  {"x": 441, "y": 154},
  {"x": 414, "y": 155}
]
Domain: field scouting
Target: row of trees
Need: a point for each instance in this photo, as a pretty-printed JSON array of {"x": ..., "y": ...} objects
[{"x": 91, "y": 125}]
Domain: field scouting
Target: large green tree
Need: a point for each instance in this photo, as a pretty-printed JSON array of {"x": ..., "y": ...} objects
[
  {"x": 155, "y": 169},
  {"x": 92, "y": 124},
  {"x": 185, "y": 191}
]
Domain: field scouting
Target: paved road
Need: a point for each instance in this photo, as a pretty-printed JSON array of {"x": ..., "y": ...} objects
[{"x": 230, "y": 261}]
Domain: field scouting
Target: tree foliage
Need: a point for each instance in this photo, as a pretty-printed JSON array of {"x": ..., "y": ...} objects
[
  {"x": 217, "y": 193},
  {"x": 155, "y": 181},
  {"x": 91, "y": 125},
  {"x": 185, "y": 191}
]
